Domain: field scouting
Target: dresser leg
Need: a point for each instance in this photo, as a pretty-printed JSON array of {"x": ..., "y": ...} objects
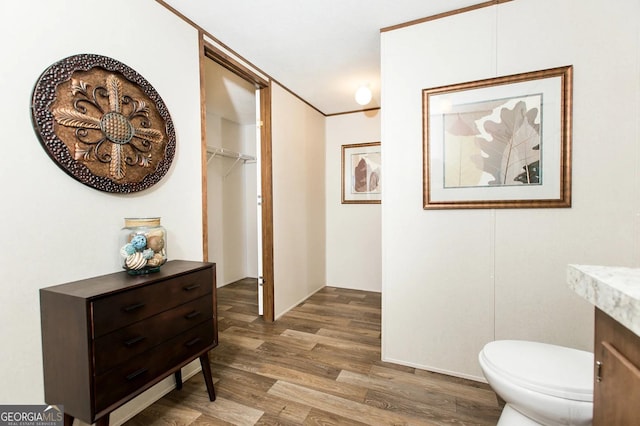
[
  {"x": 178, "y": 376},
  {"x": 68, "y": 420},
  {"x": 206, "y": 372}
]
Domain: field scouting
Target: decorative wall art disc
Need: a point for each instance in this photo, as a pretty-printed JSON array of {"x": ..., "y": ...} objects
[{"x": 103, "y": 123}]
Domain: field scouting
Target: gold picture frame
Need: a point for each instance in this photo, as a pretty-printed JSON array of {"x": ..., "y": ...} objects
[
  {"x": 499, "y": 143},
  {"x": 362, "y": 173}
]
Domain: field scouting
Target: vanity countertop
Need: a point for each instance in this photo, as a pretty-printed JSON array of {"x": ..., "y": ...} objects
[{"x": 613, "y": 290}]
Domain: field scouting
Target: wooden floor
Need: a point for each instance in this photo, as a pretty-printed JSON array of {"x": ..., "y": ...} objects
[{"x": 317, "y": 365}]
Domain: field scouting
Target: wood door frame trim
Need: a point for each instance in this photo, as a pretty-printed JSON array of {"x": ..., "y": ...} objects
[
  {"x": 208, "y": 51},
  {"x": 228, "y": 62},
  {"x": 266, "y": 180}
]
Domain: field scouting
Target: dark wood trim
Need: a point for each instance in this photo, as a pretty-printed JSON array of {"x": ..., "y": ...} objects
[
  {"x": 353, "y": 112},
  {"x": 266, "y": 174},
  {"x": 226, "y": 61},
  {"x": 268, "y": 289},
  {"x": 444, "y": 14},
  {"x": 203, "y": 149}
]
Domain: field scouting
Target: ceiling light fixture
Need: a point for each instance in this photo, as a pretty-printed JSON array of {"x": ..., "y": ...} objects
[{"x": 363, "y": 95}]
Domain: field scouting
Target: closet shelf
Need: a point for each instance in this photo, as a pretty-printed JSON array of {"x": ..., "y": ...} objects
[{"x": 213, "y": 151}]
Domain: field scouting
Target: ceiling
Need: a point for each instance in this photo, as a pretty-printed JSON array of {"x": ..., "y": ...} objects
[{"x": 321, "y": 50}]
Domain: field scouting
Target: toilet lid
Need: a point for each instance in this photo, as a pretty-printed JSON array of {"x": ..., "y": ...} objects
[{"x": 540, "y": 367}]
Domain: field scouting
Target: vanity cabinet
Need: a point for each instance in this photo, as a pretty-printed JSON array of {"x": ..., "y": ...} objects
[
  {"x": 107, "y": 339},
  {"x": 616, "y": 398}
]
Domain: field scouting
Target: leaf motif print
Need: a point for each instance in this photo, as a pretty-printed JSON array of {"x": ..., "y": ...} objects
[
  {"x": 530, "y": 173},
  {"x": 516, "y": 142},
  {"x": 462, "y": 155}
]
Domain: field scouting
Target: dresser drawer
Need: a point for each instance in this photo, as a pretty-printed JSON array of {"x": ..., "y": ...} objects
[
  {"x": 144, "y": 369},
  {"x": 122, "y": 309},
  {"x": 120, "y": 345}
]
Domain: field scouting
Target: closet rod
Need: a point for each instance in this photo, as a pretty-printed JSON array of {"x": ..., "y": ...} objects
[{"x": 223, "y": 152}]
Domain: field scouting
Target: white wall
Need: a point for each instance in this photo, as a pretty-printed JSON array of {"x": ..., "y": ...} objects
[
  {"x": 353, "y": 230},
  {"x": 231, "y": 184},
  {"x": 465, "y": 277},
  {"x": 298, "y": 136},
  {"x": 54, "y": 229},
  {"x": 215, "y": 198},
  {"x": 231, "y": 190}
]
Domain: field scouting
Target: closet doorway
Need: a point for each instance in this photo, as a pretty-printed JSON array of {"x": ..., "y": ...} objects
[{"x": 237, "y": 176}]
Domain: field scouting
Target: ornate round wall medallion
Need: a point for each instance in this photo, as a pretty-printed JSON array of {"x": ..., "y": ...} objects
[{"x": 103, "y": 123}]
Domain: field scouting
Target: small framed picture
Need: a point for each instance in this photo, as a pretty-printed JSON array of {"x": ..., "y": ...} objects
[{"x": 361, "y": 173}]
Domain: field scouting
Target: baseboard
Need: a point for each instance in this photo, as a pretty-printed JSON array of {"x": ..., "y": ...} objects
[
  {"x": 220, "y": 285},
  {"x": 346, "y": 287},
  {"x": 480, "y": 379},
  {"x": 298, "y": 302}
]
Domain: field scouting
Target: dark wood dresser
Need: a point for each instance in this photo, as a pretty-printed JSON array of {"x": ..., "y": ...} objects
[{"x": 107, "y": 339}]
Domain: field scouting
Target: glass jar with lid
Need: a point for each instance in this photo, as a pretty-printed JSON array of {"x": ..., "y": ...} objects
[{"x": 143, "y": 245}]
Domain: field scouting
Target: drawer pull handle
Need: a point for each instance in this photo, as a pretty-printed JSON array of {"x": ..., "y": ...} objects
[
  {"x": 192, "y": 314},
  {"x": 193, "y": 341},
  {"x": 135, "y": 340},
  {"x": 191, "y": 287},
  {"x": 132, "y": 308},
  {"x": 136, "y": 373}
]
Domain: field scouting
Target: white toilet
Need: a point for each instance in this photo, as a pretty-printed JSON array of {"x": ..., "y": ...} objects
[{"x": 541, "y": 384}]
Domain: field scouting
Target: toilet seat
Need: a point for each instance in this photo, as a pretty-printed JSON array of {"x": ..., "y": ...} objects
[{"x": 547, "y": 369}]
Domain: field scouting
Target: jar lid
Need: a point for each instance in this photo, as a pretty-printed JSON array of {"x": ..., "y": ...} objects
[{"x": 141, "y": 221}]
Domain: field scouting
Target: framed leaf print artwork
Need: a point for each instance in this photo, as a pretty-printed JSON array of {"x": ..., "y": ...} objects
[
  {"x": 499, "y": 143},
  {"x": 361, "y": 173}
]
